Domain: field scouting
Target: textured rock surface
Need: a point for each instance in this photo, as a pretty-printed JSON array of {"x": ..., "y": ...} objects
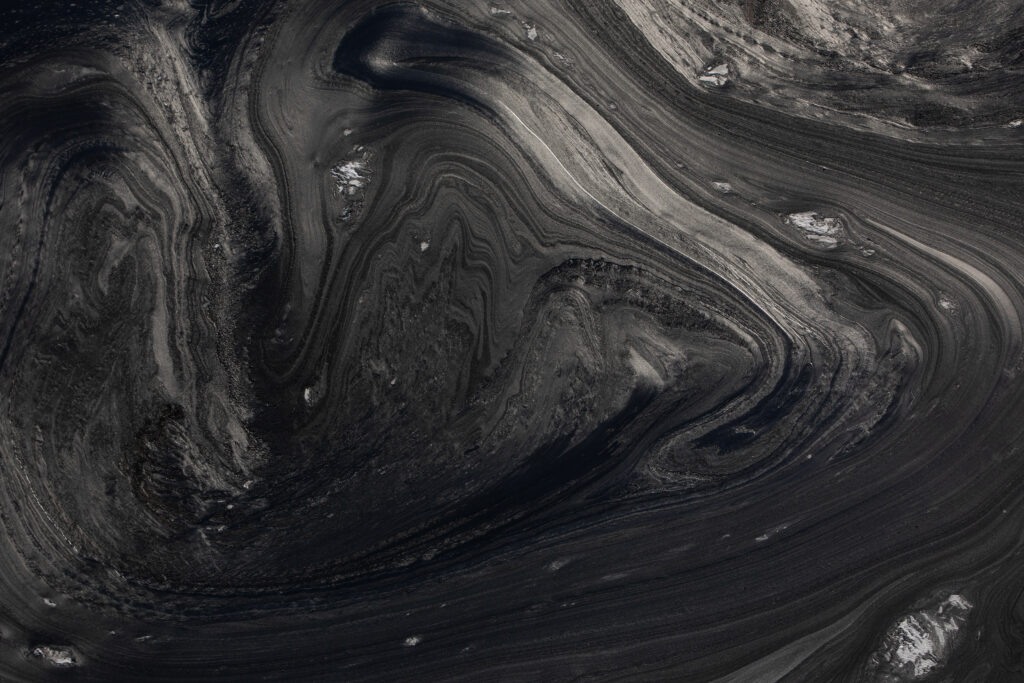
[{"x": 604, "y": 340}]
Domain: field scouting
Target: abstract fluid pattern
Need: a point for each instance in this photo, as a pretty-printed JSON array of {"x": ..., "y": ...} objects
[{"x": 588, "y": 340}]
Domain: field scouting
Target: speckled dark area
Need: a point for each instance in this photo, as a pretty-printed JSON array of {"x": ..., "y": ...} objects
[{"x": 616, "y": 340}]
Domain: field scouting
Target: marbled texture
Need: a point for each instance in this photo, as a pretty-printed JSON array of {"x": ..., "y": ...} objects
[{"x": 605, "y": 340}]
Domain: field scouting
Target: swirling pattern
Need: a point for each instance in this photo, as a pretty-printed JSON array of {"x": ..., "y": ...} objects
[{"x": 605, "y": 340}]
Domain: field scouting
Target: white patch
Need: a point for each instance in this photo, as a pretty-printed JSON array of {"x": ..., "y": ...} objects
[
  {"x": 812, "y": 221},
  {"x": 1016, "y": 123},
  {"x": 307, "y": 395},
  {"x": 821, "y": 229},
  {"x": 716, "y": 75},
  {"x": 557, "y": 564},
  {"x": 531, "y": 33},
  {"x": 916, "y": 646},
  {"x": 717, "y": 81},
  {"x": 956, "y": 601},
  {"x": 724, "y": 188},
  {"x": 946, "y": 303},
  {"x": 921, "y": 642},
  {"x": 347, "y": 132},
  {"x": 497, "y": 11},
  {"x": 413, "y": 641},
  {"x": 348, "y": 176},
  {"x": 49, "y": 603},
  {"x": 424, "y": 246},
  {"x": 57, "y": 655}
]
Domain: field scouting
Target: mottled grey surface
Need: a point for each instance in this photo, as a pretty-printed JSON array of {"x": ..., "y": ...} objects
[{"x": 587, "y": 340}]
